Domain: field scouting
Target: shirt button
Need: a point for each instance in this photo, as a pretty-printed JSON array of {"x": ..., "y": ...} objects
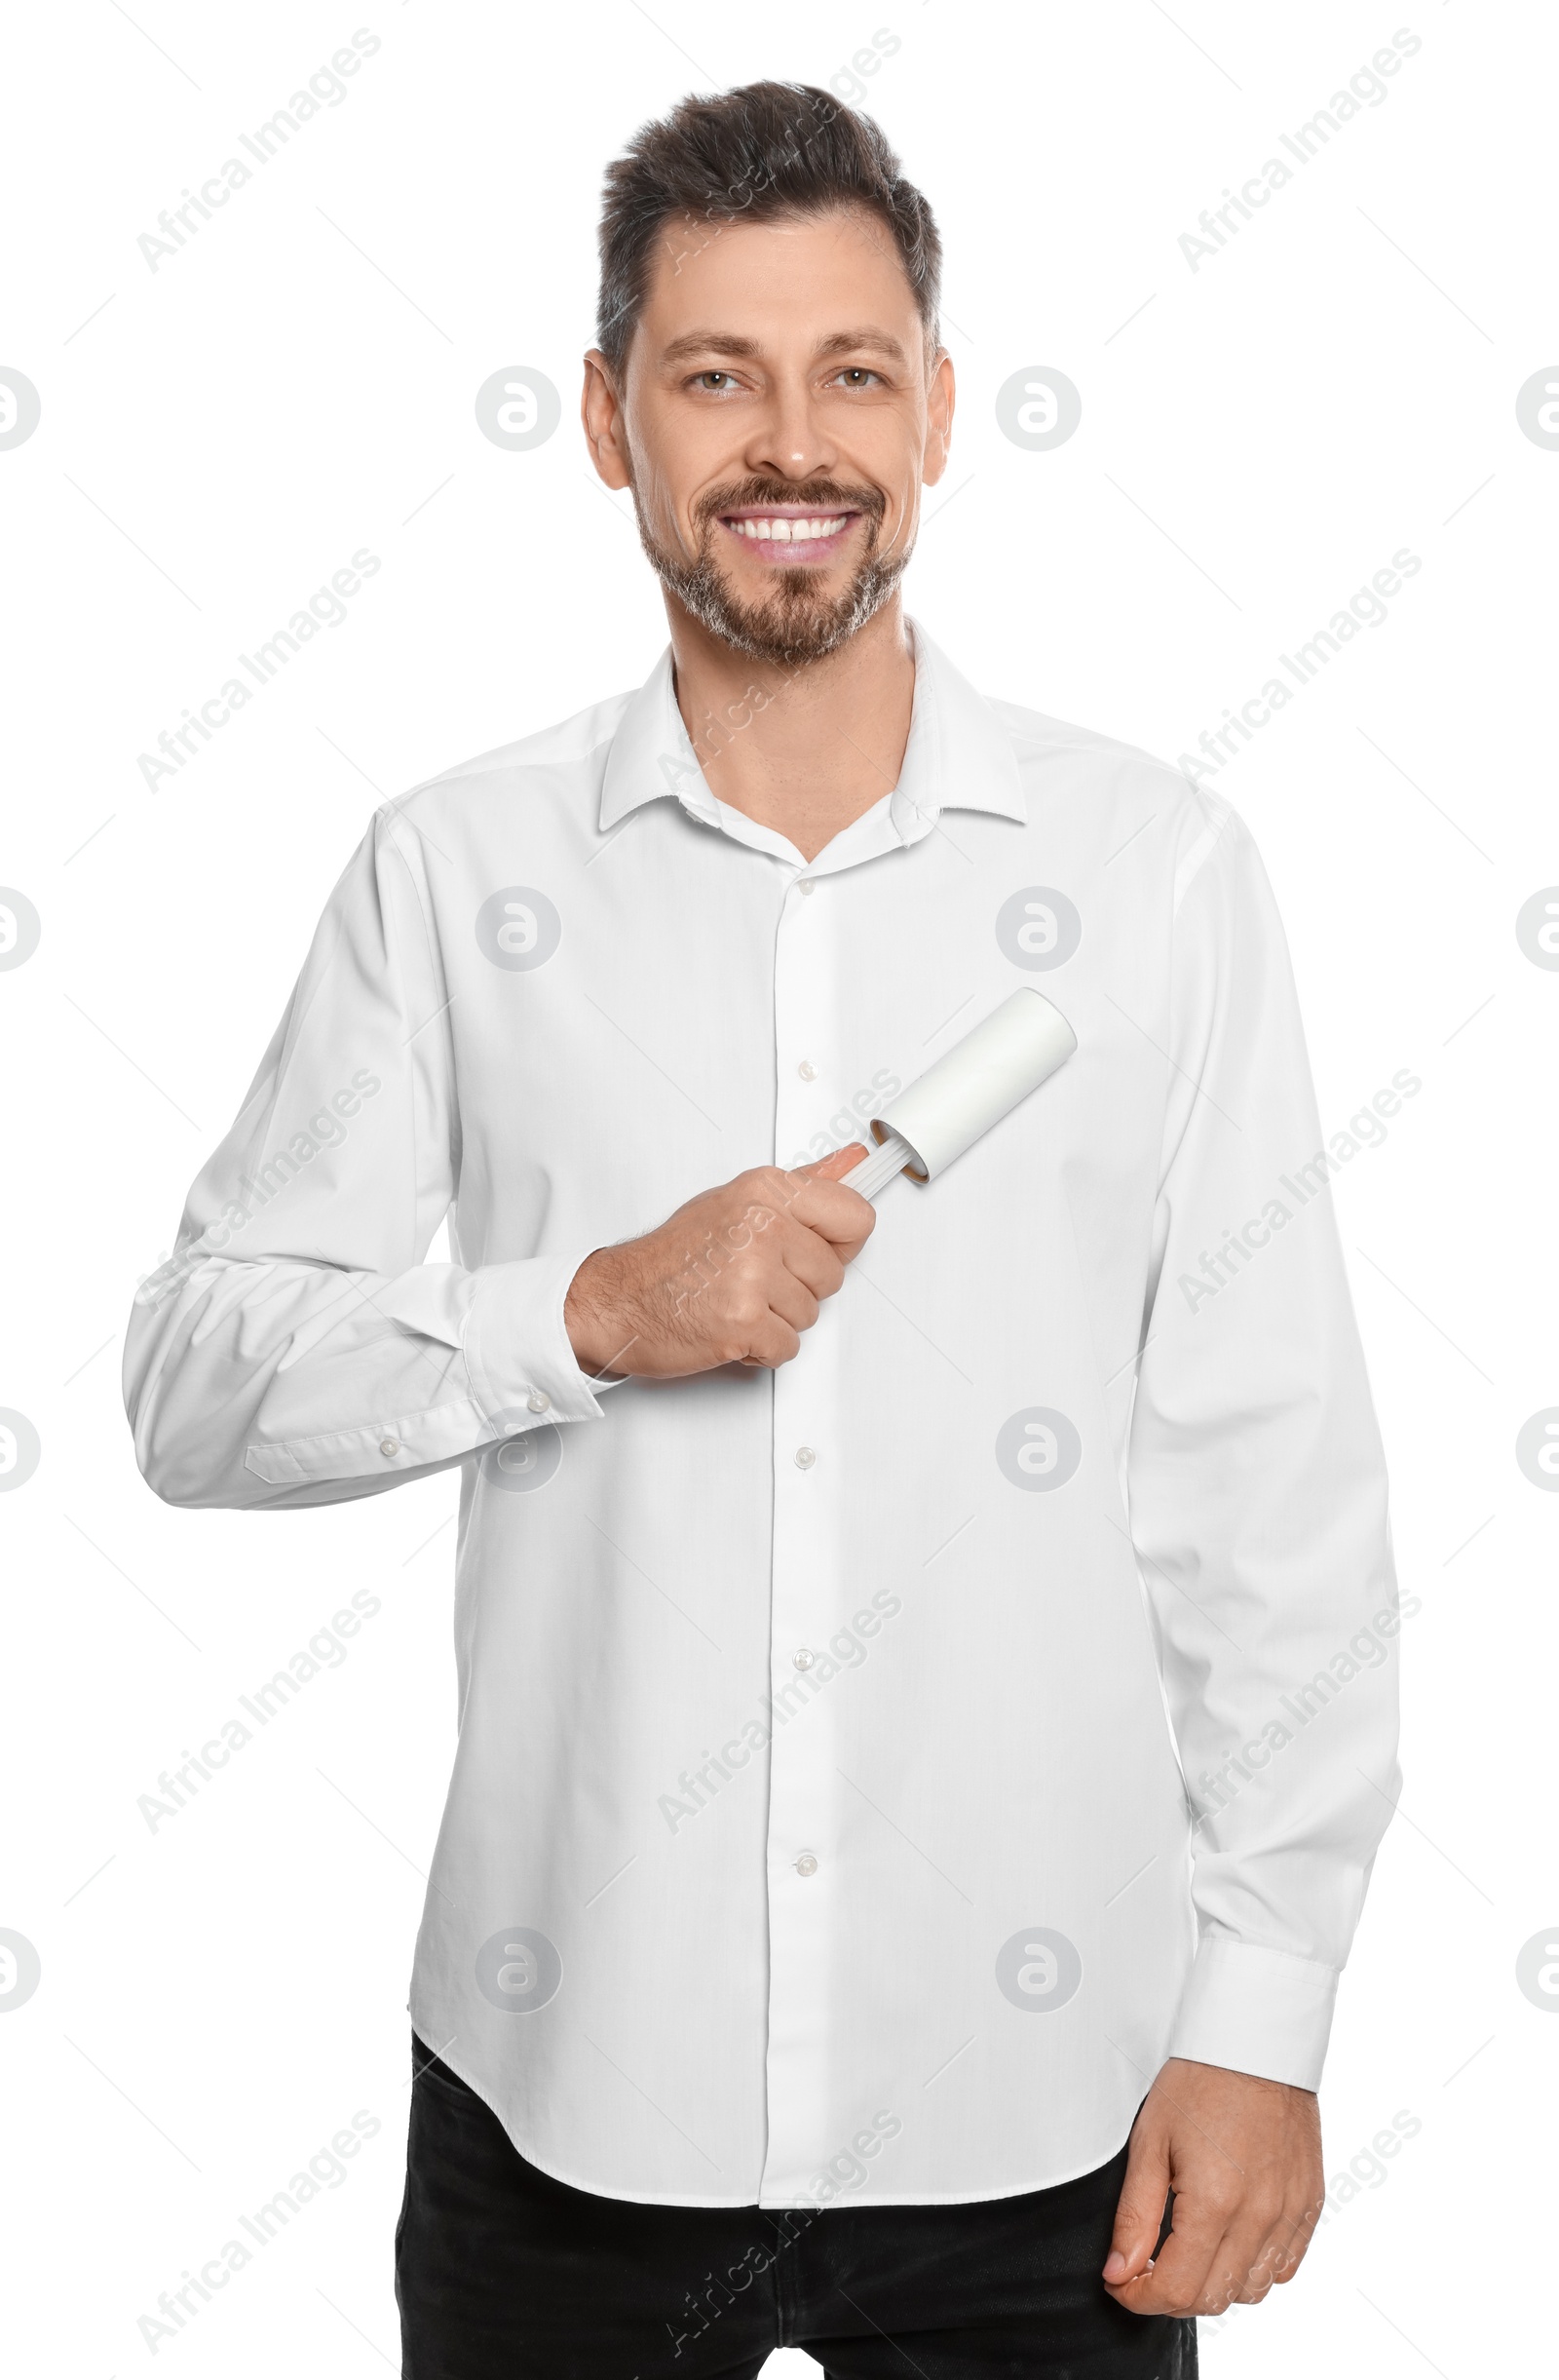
[
  {"x": 806, "y": 1457},
  {"x": 391, "y": 1446},
  {"x": 804, "y": 884},
  {"x": 804, "y": 1658},
  {"x": 807, "y": 1865},
  {"x": 538, "y": 1401},
  {"x": 807, "y": 1070}
]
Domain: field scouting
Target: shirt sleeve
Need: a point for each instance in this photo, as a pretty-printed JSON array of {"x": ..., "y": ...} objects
[
  {"x": 295, "y": 1348},
  {"x": 1257, "y": 1494}
]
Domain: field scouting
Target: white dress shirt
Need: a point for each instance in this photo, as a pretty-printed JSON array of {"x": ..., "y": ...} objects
[{"x": 868, "y": 1771}]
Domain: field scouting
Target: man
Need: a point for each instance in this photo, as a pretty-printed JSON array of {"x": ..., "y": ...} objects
[{"x": 824, "y": 1942}]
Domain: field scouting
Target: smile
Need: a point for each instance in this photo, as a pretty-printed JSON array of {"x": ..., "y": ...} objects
[{"x": 789, "y": 536}]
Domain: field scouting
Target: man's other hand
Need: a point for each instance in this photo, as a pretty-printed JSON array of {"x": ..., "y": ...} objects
[
  {"x": 1243, "y": 2159},
  {"x": 734, "y": 1277}
]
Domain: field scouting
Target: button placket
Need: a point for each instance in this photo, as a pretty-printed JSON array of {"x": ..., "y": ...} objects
[{"x": 803, "y": 1866}]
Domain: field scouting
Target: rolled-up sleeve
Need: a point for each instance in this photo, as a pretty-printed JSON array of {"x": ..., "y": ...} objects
[
  {"x": 1258, "y": 1495},
  {"x": 297, "y": 1348}
]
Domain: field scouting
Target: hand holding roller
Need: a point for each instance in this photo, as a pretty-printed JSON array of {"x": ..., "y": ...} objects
[
  {"x": 706, "y": 1288},
  {"x": 971, "y": 1087}
]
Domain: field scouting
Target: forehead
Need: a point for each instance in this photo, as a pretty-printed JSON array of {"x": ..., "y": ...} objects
[{"x": 795, "y": 278}]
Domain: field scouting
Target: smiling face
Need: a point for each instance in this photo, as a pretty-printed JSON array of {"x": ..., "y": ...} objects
[{"x": 777, "y": 419}]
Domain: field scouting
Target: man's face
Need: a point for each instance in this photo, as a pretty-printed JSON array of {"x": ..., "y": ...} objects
[{"x": 775, "y": 425}]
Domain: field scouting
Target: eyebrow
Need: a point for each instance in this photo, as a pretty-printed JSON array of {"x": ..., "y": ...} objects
[{"x": 731, "y": 343}]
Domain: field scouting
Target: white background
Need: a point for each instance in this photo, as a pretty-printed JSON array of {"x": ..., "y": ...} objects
[{"x": 218, "y": 437}]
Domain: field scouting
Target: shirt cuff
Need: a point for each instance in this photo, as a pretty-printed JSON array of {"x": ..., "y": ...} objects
[
  {"x": 516, "y": 1349},
  {"x": 1256, "y": 2010}
]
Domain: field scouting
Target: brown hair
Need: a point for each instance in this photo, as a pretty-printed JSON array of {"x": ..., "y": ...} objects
[{"x": 765, "y": 151}]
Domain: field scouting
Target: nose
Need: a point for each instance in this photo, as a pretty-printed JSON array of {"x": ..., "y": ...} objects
[{"x": 790, "y": 438}]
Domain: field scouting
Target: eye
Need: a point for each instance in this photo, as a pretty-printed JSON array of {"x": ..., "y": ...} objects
[
  {"x": 857, "y": 376},
  {"x": 714, "y": 381}
]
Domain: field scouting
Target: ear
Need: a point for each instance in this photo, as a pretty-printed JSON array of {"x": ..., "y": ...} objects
[
  {"x": 600, "y": 411},
  {"x": 940, "y": 398}
]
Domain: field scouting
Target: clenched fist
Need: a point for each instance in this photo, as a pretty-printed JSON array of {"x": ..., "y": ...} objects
[{"x": 734, "y": 1277}]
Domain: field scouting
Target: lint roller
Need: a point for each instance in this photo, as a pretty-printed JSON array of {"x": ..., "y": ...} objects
[{"x": 971, "y": 1086}]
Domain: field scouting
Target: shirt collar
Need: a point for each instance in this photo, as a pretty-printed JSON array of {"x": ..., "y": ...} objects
[{"x": 958, "y": 756}]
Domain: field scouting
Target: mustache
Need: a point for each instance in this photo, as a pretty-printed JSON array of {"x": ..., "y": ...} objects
[{"x": 820, "y": 495}]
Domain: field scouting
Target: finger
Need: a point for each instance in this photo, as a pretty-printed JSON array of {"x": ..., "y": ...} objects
[
  {"x": 1293, "y": 2237},
  {"x": 836, "y": 1164},
  {"x": 815, "y": 1257},
  {"x": 1279, "y": 2226},
  {"x": 827, "y": 1208},
  {"x": 1244, "y": 2264},
  {"x": 1249, "y": 2287},
  {"x": 1139, "y": 2213},
  {"x": 772, "y": 1342},
  {"x": 1179, "y": 2274},
  {"x": 792, "y": 1299},
  {"x": 810, "y": 1257}
]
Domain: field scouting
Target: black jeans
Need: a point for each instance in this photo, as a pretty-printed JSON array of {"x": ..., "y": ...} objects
[{"x": 502, "y": 2273}]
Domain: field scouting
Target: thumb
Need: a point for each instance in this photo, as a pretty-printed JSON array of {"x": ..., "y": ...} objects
[
  {"x": 837, "y": 1164},
  {"x": 1139, "y": 2215},
  {"x": 845, "y": 1240}
]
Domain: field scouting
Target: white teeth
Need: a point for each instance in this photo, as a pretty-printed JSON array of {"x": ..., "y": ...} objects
[{"x": 782, "y": 530}]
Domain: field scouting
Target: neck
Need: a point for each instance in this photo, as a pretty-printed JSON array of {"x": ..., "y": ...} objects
[{"x": 804, "y": 749}]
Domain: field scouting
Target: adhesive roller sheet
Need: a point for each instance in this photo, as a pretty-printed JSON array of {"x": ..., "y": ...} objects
[{"x": 973, "y": 1086}]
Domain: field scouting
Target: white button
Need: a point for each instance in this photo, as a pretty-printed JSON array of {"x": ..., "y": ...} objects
[
  {"x": 538, "y": 1401},
  {"x": 806, "y": 1866},
  {"x": 804, "y": 1658},
  {"x": 389, "y": 1446},
  {"x": 805, "y": 1458},
  {"x": 807, "y": 1070},
  {"x": 804, "y": 884}
]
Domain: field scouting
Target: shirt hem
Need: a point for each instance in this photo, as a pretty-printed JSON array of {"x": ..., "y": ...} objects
[{"x": 773, "y": 2205}]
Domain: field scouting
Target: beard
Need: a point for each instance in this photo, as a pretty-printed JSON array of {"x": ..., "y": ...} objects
[{"x": 798, "y": 621}]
